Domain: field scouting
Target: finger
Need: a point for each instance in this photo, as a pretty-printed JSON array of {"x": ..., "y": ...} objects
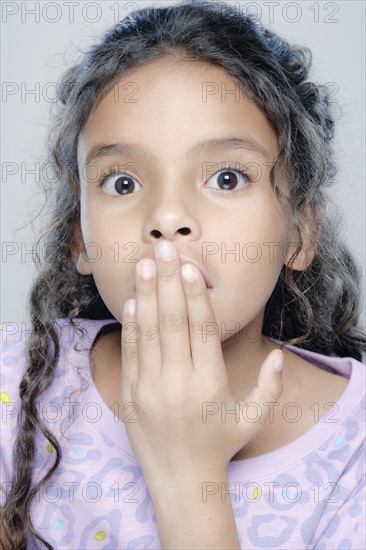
[
  {"x": 173, "y": 324},
  {"x": 129, "y": 366},
  {"x": 268, "y": 389},
  {"x": 203, "y": 330},
  {"x": 148, "y": 347}
]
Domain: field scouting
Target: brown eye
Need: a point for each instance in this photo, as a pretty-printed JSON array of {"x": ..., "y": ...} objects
[
  {"x": 228, "y": 179},
  {"x": 124, "y": 185},
  {"x": 119, "y": 183}
]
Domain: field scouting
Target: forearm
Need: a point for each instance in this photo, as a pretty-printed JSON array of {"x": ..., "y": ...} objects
[{"x": 195, "y": 513}]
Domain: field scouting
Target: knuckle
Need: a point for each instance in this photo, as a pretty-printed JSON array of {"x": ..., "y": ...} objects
[
  {"x": 149, "y": 335},
  {"x": 166, "y": 275},
  {"x": 197, "y": 327},
  {"x": 173, "y": 320},
  {"x": 145, "y": 291},
  {"x": 194, "y": 292},
  {"x": 131, "y": 354}
]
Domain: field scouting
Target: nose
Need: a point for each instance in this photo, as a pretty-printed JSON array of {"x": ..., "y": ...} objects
[{"x": 171, "y": 213}]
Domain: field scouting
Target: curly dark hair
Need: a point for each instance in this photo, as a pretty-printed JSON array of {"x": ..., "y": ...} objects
[{"x": 316, "y": 309}]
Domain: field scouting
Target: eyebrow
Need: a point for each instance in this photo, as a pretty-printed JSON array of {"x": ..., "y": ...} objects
[{"x": 101, "y": 150}]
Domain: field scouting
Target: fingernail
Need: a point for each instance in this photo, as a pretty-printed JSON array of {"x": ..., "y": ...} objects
[
  {"x": 131, "y": 306},
  {"x": 146, "y": 269},
  {"x": 165, "y": 251},
  {"x": 188, "y": 272},
  {"x": 278, "y": 362}
]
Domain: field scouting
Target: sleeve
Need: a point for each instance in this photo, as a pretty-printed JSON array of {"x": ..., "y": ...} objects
[
  {"x": 12, "y": 367},
  {"x": 346, "y": 528}
]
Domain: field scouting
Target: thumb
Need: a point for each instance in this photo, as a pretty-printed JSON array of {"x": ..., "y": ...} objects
[{"x": 266, "y": 391}]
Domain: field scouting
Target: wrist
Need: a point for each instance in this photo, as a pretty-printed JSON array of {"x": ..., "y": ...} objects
[
  {"x": 194, "y": 484},
  {"x": 195, "y": 512},
  {"x": 187, "y": 480}
]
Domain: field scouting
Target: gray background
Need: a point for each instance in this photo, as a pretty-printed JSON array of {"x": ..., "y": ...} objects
[{"x": 38, "y": 47}]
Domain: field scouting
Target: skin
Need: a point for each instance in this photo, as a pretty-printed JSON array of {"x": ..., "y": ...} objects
[{"x": 174, "y": 192}]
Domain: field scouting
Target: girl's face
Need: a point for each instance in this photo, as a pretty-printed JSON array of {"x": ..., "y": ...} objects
[{"x": 164, "y": 128}]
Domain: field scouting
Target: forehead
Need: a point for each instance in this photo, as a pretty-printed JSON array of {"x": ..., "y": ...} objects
[{"x": 167, "y": 105}]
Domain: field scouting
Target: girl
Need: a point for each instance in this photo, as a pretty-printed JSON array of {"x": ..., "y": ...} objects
[{"x": 145, "y": 406}]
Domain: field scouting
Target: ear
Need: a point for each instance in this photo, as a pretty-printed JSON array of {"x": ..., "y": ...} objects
[
  {"x": 79, "y": 254},
  {"x": 307, "y": 228}
]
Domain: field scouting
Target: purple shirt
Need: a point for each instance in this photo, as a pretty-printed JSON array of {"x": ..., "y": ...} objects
[{"x": 309, "y": 493}]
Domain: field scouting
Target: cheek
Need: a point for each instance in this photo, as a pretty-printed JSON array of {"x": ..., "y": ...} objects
[
  {"x": 108, "y": 240},
  {"x": 113, "y": 288},
  {"x": 246, "y": 286},
  {"x": 253, "y": 282},
  {"x": 112, "y": 258},
  {"x": 242, "y": 306}
]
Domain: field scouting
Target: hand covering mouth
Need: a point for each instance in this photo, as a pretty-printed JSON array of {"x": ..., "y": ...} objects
[{"x": 184, "y": 260}]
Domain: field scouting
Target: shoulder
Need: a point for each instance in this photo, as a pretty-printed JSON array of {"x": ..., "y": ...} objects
[
  {"x": 327, "y": 377},
  {"x": 342, "y": 524},
  {"x": 15, "y": 347},
  {"x": 13, "y": 365},
  {"x": 13, "y": 338}
]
